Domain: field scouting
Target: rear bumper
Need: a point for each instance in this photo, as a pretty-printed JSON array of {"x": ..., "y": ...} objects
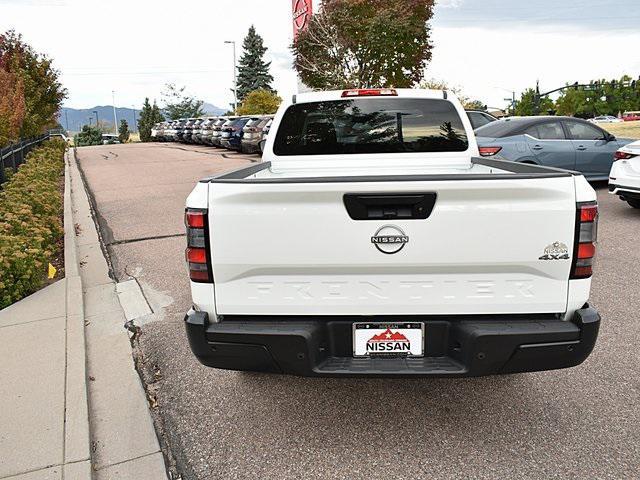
[
  {"x": 460, "y": 347},
  {"x": 250, "y": 146},
  {"x": 625, "y": 191}
]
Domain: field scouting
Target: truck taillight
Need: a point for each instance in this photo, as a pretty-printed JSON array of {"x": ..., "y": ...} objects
[
  {"x": 197, "y": 252},
  {"x": 586, "y": 236}
]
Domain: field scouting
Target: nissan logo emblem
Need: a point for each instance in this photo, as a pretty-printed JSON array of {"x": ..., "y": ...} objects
[{"x": 390, "y": 239}]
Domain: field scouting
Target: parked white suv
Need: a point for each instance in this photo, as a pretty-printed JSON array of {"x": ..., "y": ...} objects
[
  {"x": 374, "y": 240},
  {"x": 624, "y": 179}
]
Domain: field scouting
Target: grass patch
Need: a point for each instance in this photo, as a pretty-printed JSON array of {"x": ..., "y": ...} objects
[
  {"x": 623, "y": 129},
  {"x": 31, "y": 228}
]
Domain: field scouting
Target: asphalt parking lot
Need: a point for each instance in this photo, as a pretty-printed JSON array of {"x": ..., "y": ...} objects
[{"x": 577, "y": 423}]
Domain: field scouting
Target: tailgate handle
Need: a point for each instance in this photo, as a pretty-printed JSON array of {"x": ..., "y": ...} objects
[{"x": 380, "y": 206}]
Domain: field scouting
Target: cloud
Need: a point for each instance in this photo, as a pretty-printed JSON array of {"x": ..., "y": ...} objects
[
  {"x": 100, "y": 49},
  {"x": 479, "y": 45},
  {"x": 513, "y": 59},
  {"x": 282, "y": 59},
  {"x": 449, "y": 3},
  {"x": 35, "y": 3},
  {"x": 587, "y": 14}
]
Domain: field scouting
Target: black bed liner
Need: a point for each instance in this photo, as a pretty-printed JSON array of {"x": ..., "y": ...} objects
[{"x": 517, "y": 171}]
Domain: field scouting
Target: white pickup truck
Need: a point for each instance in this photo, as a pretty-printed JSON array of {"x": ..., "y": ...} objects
[{"x": 373, "y": 240}]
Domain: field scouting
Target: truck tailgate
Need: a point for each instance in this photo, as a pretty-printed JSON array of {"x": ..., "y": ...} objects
[{"x": 293, "y": 249}]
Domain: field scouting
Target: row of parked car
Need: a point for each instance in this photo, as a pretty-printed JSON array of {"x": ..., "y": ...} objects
[{"x": 245, "y": 134}]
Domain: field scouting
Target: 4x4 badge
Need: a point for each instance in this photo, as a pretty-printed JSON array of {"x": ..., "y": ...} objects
[{"x": 556, "y": 251}]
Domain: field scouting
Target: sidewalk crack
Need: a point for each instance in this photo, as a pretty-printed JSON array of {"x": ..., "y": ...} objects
[{"x": 128, "y": 460}]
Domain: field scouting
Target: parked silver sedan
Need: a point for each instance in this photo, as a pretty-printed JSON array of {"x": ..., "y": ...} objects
[{"x": 562, "y": 142}]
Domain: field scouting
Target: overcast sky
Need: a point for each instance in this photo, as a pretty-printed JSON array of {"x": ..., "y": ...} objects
[{"x": 487, "y": 47}]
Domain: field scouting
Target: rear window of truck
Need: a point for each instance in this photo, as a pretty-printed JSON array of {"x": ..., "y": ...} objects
[{"x": 370, "y": 125}]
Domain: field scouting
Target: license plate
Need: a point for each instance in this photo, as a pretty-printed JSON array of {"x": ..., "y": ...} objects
[{"x": 388, "y": 339}]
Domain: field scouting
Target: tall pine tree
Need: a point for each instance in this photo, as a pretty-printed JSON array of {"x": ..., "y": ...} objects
[
  {"x": 145, "y": 122},
  {"x": 253, "y": 71},
  {"x": 123, "y": 131},
  {"x": 149, "y": 116},
  {"x": 156, "y": 114}
]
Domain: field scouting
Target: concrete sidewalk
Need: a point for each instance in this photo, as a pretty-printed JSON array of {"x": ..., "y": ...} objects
[
  {"x": 44, "y": 424},
  {"x": 43, "y": 419}
]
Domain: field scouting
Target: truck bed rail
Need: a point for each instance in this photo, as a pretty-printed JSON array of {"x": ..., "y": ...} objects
[{"x": 510, "y": 171}]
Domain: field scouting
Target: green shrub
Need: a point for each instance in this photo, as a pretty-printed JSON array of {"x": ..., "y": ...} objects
[
  {"x": 88, "y": 136},
  {"x": 30, "y": 222}
]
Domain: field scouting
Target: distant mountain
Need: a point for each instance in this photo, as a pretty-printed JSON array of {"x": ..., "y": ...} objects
[
  {"x": 210, "y": 109},
  {"x": 74, "y": 118}
]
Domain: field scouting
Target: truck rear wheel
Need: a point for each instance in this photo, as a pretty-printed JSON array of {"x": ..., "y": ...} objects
[{"x": 634, "y": 203}]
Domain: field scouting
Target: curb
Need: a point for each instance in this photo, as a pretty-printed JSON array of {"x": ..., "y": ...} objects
[
  {"x": 122, "y": 433},
  {"x": 70, "y": 247},
  {"x": 76, "y": 418}
]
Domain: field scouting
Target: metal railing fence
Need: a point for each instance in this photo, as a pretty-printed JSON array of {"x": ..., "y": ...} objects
[{"x": 15, "y": 154}]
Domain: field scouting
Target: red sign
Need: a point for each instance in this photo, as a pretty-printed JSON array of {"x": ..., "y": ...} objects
[{"x": 302, "y": 10}]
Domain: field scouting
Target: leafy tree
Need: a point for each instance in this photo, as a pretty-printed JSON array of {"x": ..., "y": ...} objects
[
  {"x": 527, "y": 106},
  {"x": 260, "y": 102},
  {"x": 474, "y": 105},
  {"x": 253, "y": 71},
  {"x": 437, "y": 84},
  {"x": 90, "y": 135},
  {"x": 365, "y": 43},
  {"x": 572, "y": 102},
  {"x": 600, "y": 97},
  {"x": 12, "y": 107},
  {"x": 179, "y": 105},
  {"x": 123, "y": 131},
  {"x": 43, "y": 92}
]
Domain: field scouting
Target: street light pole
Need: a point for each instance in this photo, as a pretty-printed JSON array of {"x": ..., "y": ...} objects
[
  {"x": 115, "y": 116},
  {"x": 235, "y": 84},
  {"x": 97, "y": 119},
  {"x": 135, "y": 121}
]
